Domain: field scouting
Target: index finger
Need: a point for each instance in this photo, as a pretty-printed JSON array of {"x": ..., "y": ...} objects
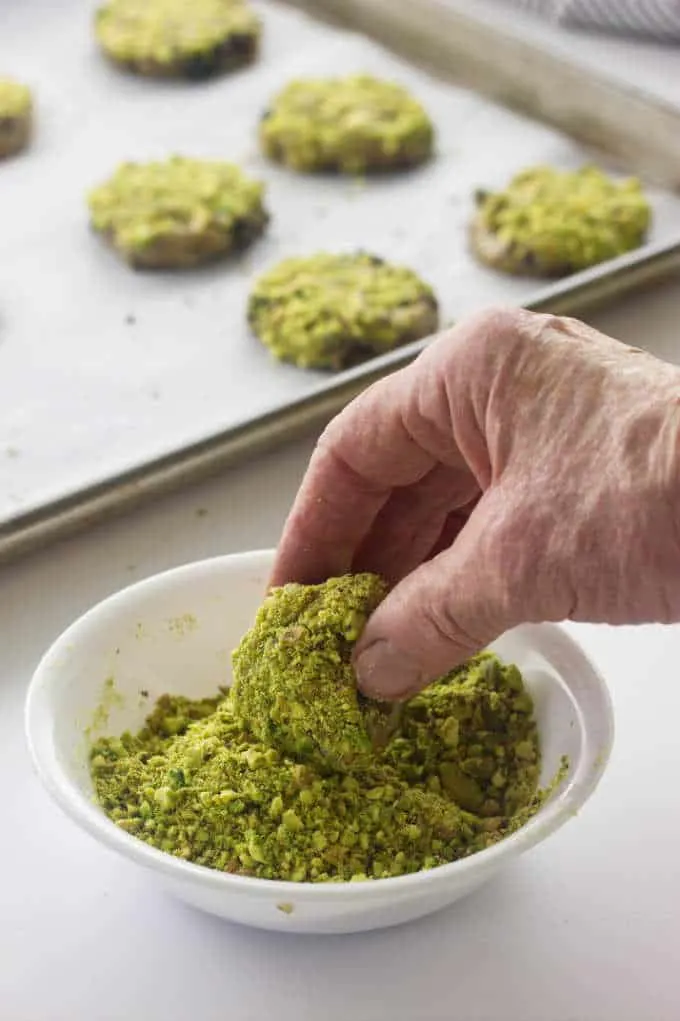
[{"x": 388, "y": 437}]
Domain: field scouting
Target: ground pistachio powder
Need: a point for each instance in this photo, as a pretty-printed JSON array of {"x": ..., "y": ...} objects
[{"x": 292, "y": 775}]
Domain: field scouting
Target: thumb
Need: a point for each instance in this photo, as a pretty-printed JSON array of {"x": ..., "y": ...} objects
[{"x": 439, "y": 615}]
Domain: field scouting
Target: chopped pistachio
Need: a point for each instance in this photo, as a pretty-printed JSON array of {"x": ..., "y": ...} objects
[
  {"x": 329, "y": 311},
  {"x": 188, "y": 38},
  {"x": 354, "y": 124},
  {"x": 294, "y": 685},
  {"x": 550, "y": 222},
  {"x": 210, "y": 790},
  {"x": 178, "y": 212}
]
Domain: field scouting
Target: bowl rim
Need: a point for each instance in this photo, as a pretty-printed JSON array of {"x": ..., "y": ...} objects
[{"x": 86, "y": 813}]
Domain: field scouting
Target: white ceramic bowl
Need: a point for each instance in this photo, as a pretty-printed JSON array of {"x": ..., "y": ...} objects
[{"x": 174, "y": 633}]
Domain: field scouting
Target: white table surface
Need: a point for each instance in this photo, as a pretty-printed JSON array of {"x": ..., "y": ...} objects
[{"x": 584, "y": 928}]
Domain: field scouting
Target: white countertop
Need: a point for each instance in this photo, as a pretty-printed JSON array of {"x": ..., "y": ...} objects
[{"x": 584, "y": 928}]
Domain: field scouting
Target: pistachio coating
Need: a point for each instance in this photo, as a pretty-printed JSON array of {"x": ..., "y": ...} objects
[
  {"x": 178, "y": 213},
  {"x": 353, "y": 125},
  {"x": 549, "y": 222},
  {"x": 331, "y": 311},
  {"x": 294, "y": 686},
  {"x": 16, "y": 116},
  {"x": 178, "y": 38}
]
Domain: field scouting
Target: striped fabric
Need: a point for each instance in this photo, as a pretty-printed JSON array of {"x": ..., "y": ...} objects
[{"x": 655, "y": 19}]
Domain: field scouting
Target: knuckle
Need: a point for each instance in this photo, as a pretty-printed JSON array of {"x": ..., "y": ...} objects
[
  {"x": 537, "y": 327},
  {"x": 443, "y": 625},
  {"x": 492, "y": 325},
  {"x": 339, "y": 435},
  {"x": 497, "y": 320},
  {"x": 329, "y": 437},
  {"x": 501, "y": 330},
  {"x": 492, "y": 336}
]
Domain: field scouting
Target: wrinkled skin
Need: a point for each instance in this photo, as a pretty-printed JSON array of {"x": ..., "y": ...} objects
[{"x": 524, "y": 468}]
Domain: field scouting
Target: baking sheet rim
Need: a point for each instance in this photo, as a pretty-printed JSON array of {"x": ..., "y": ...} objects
[{"x": 131, "y": 487}]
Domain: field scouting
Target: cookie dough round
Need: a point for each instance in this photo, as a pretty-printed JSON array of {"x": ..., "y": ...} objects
[
  {"x": 178, "y": 38},
  {"x": 549, "y": 223},
  {"x": 333, "y": 311},
  {"x": 353, "y": 125},
  {"x": 178, "y": 213},
  {"x": 294, "y": 684},
  {"x": 16, "y": 116}
]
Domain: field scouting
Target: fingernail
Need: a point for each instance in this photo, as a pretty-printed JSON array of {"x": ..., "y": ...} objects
[{"x": 385, "y": 672}]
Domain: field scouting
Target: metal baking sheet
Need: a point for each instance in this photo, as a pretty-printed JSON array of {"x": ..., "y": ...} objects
[{"x": 116, "y": 384}]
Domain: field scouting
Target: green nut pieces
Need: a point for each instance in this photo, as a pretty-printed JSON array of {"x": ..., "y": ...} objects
[
  {"x": 294, "y": 686},
  {"x": 16, "y": 116},
  {"x": 178, "y": 38},
  {"x": 331, "y": 311},
  {"x": 279, "y": 778},
  {"x": 549, "y": 223},
  {"x": 205, "y": 789},
  {"x": 178, "y": 213},
  {"x": 353, "y": 125}
]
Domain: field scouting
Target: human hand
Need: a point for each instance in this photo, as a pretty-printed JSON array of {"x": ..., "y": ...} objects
[{"x": 524, "y": 468}]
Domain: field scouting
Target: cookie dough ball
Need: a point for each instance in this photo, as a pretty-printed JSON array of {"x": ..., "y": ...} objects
[
  {"x": 353, "y": 125},
  {"x": 16, "y": 116},
  {"x": 549, "y": 223},
  {"x": 178, "y": 213},
  {"x": 178, "y": 38},
  {"x": 333, "y": 311},
  {"x": 294, "y": 685}
]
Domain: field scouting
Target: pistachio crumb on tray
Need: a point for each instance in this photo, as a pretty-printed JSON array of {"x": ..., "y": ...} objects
[{"x": 282, "y": 777}]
